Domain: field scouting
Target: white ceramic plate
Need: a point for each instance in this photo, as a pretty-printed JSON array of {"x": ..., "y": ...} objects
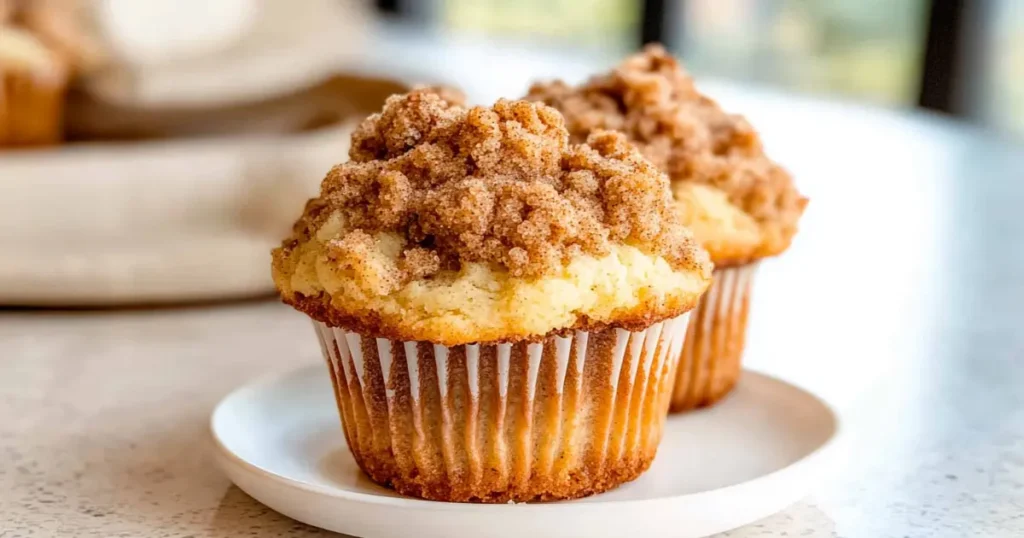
[{"x": 748, "y": 457}]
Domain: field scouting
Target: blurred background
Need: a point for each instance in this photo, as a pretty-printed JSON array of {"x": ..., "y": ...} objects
[
  {"x": 963, "y": 57},
  {"x": 164, "y": 146},
  {"x": 153, "y": 152}
]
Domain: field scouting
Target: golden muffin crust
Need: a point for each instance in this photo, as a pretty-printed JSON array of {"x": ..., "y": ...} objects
[
  {"x": 724, "y": 230},
  {"x": 651, "y": 99},
  {"x": 452, "y": 225}
]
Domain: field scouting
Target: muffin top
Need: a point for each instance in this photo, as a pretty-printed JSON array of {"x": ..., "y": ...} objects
[
  {"x": 741, "y": 204},
  {"x": 22, "y": 52},
  {"x": 456, "y": 225},
  {"x": 64, "y": 26}
]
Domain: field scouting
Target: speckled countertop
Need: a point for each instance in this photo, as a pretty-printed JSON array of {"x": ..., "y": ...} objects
[
  {"x": 104, "y": 432},
  {"x": 901, "y": 303},
  {"x": 104, "y": 421}
]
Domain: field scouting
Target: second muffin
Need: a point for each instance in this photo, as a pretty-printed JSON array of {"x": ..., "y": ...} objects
[
  {"x": 742, "y": 206},
  {"x": 501, "y": 310}
]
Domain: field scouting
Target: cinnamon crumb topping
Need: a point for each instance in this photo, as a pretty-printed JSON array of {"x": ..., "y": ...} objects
[
  {"x": 651, "y": 99},
  {"x": 501, "y": 185}
]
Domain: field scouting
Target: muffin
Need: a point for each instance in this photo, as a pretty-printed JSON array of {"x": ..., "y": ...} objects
[
  {"x": 66, "y": 27},
  {"x": 501, "y": 311},
  {"x": 33, "y": 81},
  {"x": 741, "y": 206}
]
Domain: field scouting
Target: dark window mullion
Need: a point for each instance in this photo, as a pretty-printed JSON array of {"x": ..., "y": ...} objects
[
  {"x": 942, "y": 73},
  {"x": 388, "y": 6},
  {"x": 654, "y": 23}
]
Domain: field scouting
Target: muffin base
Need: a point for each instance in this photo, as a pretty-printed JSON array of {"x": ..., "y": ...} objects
[
  {"x": 710, "y": 362},
  {"x": 577, "y": 487},
  {"x": 562, "y": 418}
]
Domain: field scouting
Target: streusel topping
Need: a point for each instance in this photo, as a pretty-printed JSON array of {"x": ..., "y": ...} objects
[
  {"x": 651, "y": 99},
  {"x": 501, "y": 185}
]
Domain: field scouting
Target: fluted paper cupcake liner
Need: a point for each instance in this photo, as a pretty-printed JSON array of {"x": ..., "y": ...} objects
[
  {"x": 710, "y": 362},
  {"x": 560, "y": 418},
  {"x": 31, "y": 109}
]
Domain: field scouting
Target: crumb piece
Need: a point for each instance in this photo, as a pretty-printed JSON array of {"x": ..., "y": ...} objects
[{"x": 448, "y": 93}]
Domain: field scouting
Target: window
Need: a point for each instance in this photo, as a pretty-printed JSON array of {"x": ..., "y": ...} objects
[
  {"x": 597, "y": 24},
  {"x": 868, "y": 49},
  {"x": 1003, "y": 95}
]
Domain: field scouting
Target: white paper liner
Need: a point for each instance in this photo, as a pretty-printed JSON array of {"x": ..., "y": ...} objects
[
  {"x": 560, "y": 418},
  {"x": 710, "y": 363}
]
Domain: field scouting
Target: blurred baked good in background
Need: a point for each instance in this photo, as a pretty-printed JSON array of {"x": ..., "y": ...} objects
[
  {"x": 44, "y": 44},
  {"x": 67, "y": 28},
  {"x": 33, "y": 82}
]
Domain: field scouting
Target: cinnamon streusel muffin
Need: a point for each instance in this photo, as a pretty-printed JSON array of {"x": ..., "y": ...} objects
[
  {"x": 500, "y": 310},
  {"x": 33, "y": 80},
  {"x": 741, "y": 205}
]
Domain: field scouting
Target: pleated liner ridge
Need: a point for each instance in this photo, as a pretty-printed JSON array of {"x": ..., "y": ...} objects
[
  {"x": 710, "y": 363},
  {"x": 556, "y": 419}
]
